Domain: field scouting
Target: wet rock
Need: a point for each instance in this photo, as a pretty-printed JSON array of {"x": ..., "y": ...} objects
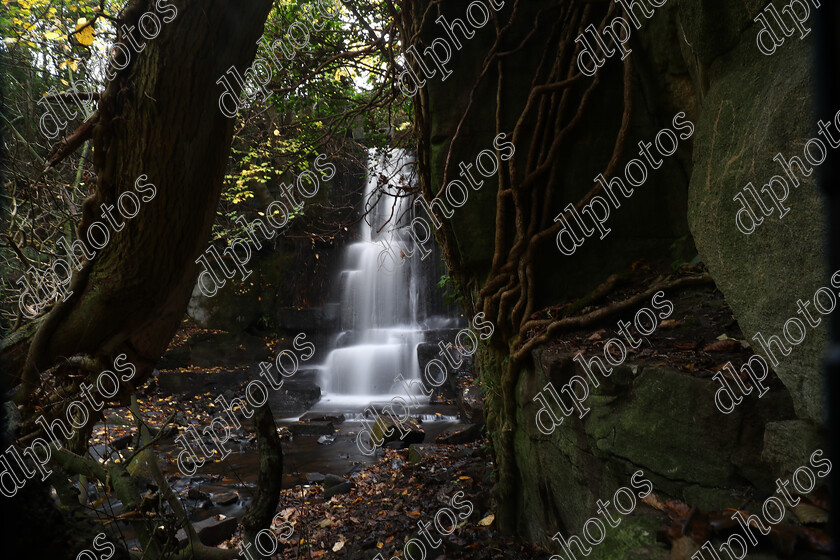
[
  {"x": 169, "y": 431},
  {"x": 225, "y": 499},
  {"x": 192, "y": 383},
  {"x": 342, "y": 488},
  {"x": 426, "y": 352},
  {"x": 471, "y": 405},
  {"x": 296, "y": 396},
  {"x": 197, "y": 494},
  {"x": 385, "y": 430},
  {"x": 465, "y": 433},
  {"x": 299, "y": 319},
  {"x": 211, "y": 532},
  {"x": 312, "y": 428},
  {"x": 396, "y": 445},
  {"x": 416, "y": 453},
  {"x": 326, "y": 440},
  {"x": 333, "y": 480},
  {"x": 122, "y": 442},
  {"x": 226, "y": 349},
  {"x": 314, "y": 477},
  {"x": 335, "y": 418}
]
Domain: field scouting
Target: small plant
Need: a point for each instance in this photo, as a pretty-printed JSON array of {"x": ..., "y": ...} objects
[{"x": 450, "y": 290}]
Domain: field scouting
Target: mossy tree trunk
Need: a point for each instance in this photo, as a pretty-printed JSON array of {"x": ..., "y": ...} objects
[{"x": 160, "y": 118}]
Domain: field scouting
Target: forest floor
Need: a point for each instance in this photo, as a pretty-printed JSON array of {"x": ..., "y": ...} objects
[{"x": 387, "y": 503}]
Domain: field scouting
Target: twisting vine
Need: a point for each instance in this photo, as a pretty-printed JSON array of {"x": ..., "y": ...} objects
[{"x": 559, "y": 96}]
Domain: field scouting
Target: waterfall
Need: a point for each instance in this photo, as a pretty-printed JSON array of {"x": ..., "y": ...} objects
[{"x": 384, "y": 315}]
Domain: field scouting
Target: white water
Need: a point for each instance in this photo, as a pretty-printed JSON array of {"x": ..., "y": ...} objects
[{"x": 380, "y": 312}]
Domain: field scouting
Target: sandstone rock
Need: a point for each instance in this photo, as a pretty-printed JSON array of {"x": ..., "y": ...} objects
[
  {"x": 383, "y": 425},
  {"x": 342, "y": 488},
  {"x": 211, "y": 532},
  {"x": 197, "y": 494},
  {"x": 465, "y": 433},
  {"x": 331, "y": 480},
  {"x": 739, "y": 131},
  {"x": 416, "y": 453},
  {"x": 225, "y": 498},
  {"x": 335, "y": 418},
  {"x": 312, "y": 428},
  {"x": 652, "y": 418},
  {"x": 471, "y": 405},
  {"x": 789, "y": 444}
]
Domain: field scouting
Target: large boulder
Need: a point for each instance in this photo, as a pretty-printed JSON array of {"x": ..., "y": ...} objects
[
  {"x": 652, "y": 418},
  {"x": 758, "y": 106}
]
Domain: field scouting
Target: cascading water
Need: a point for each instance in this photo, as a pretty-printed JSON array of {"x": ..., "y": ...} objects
[{"x": 384, "y": 315}]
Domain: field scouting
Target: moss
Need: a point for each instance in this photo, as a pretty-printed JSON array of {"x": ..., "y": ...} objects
[{"x": 636, "y": 534}]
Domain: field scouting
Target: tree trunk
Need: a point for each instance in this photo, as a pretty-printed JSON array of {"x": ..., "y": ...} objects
[{"x": 160, "y": 118}]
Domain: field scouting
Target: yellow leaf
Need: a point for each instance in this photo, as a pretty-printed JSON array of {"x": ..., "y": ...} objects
[
  {"x": 85, "y": 36},
  {"x": 338, "y": 546},
  {"x": 50, "y": 35},
  {"x": 487, "y": 521}
]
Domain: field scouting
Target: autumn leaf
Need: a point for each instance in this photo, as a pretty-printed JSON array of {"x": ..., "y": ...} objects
[
  {"x": 85, "y": 36},
  {"x": 487, "y": 521}
]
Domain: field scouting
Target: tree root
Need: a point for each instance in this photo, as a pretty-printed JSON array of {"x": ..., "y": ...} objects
[{"x": 607, "y": 311}]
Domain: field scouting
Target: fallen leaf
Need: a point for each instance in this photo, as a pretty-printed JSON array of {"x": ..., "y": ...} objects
[
  {"x": 683, "y": 549},
  {"x": 808, "y": 514},
  {"x": 338, "y": 546},
  {"x": 727, "y": 345},
  {"x": 487, "y": 521}
]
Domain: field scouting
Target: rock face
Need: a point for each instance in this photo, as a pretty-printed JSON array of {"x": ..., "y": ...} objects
[
  {"x": 739, "y": 131},
  {"x": 652, "y": 418},
  {"x": 645, "y": 226},
  {"x": 463, "y": 433},
  {"x": 257, "y": 300},
  {"x": 694, "y": 56},
  {"x": 216, "y": 349}
]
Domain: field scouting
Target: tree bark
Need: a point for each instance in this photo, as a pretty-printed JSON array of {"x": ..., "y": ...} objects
[{"x": 159, "y": 117}]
